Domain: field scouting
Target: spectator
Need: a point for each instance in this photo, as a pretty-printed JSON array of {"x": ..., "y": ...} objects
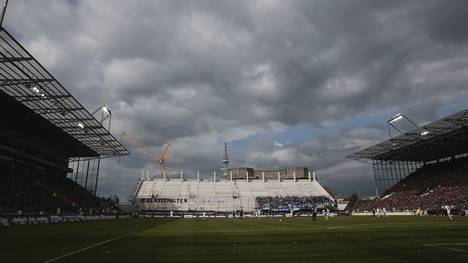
[{"x": 428, "y": 188}]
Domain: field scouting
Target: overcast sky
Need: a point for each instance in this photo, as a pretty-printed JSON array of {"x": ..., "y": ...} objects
[{"x": 290, "y": 83}]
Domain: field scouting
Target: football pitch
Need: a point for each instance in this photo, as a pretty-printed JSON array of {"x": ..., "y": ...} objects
[{"x": 341, "y": 239}]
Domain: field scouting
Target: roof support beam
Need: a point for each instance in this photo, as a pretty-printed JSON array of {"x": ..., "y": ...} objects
[
  {"x": 49, "y": 110},
  {"x": 25, "y": 98},
  {"x": 12, "y": 82},
  {"x": 14, "y": 59}
]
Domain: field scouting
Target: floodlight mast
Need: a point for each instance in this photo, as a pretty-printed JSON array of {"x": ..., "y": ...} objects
[
  {"x": 105, "y": 114},
  {"x": 395, "y": 118},
  {"x": 3, "y": 13}
]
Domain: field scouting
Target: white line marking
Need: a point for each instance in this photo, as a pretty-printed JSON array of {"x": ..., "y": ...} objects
[
  {"x": 442, "y": 246},
  {"x": 448, "y": 244},
  {"x": 89, "y": 247}
]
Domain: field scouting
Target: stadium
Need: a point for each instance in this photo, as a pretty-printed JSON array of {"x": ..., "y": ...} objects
[
  {"x": 52, "y": 208},
  {"x": 421, "y": 169},
  {"x": 225, "y": 197}
]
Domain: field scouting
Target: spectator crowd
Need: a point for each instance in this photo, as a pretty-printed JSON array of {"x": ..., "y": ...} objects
[
  {"x": 288, "y": 203},
  {"x": 429, "y": 187},
  {"x": 29, "y": 194}
]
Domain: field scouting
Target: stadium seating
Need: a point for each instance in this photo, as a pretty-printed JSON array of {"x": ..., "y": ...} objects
[
  {"x": 429, "y": 187},
  {"x": 220, "y": 196},
  {"x": 47, "y": 194}
]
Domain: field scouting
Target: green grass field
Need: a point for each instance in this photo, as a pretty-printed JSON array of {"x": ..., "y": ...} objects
[{"x": 342, "y": 239}]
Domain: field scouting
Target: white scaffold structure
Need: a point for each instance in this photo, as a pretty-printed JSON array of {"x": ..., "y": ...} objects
[{"x": 218, "y": 195}]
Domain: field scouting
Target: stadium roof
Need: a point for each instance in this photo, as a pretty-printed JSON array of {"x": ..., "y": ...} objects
[
  {"x": 442, "y": 138},
  {"x": 23, "y": 78}
]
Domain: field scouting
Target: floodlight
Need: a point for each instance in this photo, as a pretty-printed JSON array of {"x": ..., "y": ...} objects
[
  {"x": 396, "y": 118},
  {"x": 106, "y": 114},
  {"x": 35, "y": 89},
  {"x": 106, "y": 109},
  {"x": 424, "y": 133},
  {"x": 81, "y": 125}
]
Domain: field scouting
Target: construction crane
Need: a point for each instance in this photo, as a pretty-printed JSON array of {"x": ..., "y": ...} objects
[
  {"x": 169, "y": 153},
  {"x": 165, "y": 155}
]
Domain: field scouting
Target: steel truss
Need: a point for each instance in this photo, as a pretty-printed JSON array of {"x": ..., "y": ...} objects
[
  {"x": 24, "y": 79},
  {"x": 27, "y": 81},
  {"x": 448, "y": 130}
]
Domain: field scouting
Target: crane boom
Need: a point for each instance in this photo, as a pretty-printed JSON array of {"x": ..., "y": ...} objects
[
  {"x": 161, "y": 159},
  {"x": 140, "y": 147}
]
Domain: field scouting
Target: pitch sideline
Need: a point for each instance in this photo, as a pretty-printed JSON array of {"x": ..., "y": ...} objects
[{"x": 89, "y": 247}]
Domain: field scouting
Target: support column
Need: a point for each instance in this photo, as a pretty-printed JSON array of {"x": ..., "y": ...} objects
[
  {"x": 77, "y": 168},
  {"x": 313, "y": 176},
  {"x": 198, "y": 176},
  {"x": 294, "y": 175},
  {"x": 392, "y": 174},
  {"x": 230, "y": 176},
  {"x": 407, "y": 170},
  {"x": 214, "y": 176},
  {"x": 279, "y": 177},
  {"x": 87, "y": 172},
  {"x": 263, "y": 176},
  {"x": 374, "y": 164},
  {"x": 97, "y": 176},
  {"x": 399, "y": 172},
  {"x": 309, "y": 177},
  {"x": 181, "y": 175}
]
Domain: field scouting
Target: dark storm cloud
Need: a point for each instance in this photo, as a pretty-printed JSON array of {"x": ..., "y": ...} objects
[{"x": 191, "y": 72}]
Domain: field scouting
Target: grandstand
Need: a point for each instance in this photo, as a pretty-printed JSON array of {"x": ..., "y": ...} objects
[
  {"x": 227, "y": 196},
  {"x": 50, "y": 145},
  {"x": 426, "y": 168}
]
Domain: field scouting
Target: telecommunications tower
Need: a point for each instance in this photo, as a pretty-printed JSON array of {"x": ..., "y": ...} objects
[{"x": 225, "y": 159}]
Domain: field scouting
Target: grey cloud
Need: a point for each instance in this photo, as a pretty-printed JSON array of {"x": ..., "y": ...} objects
[
  {"x": 326, "y": 154},
  {"x": 193, "y": 71}
]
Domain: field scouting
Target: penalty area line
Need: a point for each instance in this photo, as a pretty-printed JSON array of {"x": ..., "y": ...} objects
[{"x": 89, "y": 247}]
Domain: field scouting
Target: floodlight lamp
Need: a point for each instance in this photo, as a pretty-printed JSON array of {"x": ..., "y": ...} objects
[
  {"x": 424, "y": 133},
  {"x": 81, "y": 125},
  {"x": 35, "y": 89},
  {"x": 396, "y": 118},
  {"x": 106, "y": 110}
]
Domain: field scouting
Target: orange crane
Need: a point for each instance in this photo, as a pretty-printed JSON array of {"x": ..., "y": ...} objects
[{"x": 165, "y": 155}]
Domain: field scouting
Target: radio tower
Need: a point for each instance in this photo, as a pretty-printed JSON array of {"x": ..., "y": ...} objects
[{"x": 225, "y": 159}]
